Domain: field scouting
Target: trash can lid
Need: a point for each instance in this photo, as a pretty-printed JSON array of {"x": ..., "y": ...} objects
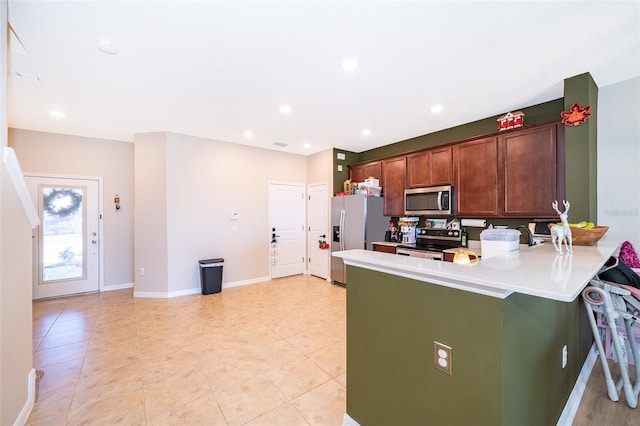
[{"x": 205, "y": 261}]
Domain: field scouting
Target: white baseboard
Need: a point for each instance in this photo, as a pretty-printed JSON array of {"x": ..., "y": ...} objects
[
  {"x": 31, "y": 399},
  {"x": 116, "y": 287},
  {"x": 348, "y": 421},
  {"x": 571, "y": 407},
  {"x": 194, "y": 290},
  {"x": 165, "y": 295},
  {"x": 245, "y": 282}
]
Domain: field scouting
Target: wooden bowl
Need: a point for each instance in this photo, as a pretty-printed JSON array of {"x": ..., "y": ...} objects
[{"x": 586, "y": 237}]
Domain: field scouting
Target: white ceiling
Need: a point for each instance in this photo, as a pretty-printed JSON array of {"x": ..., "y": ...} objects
[{"x": 214, "y": 69}]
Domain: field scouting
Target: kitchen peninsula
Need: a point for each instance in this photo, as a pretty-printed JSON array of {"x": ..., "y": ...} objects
[{"x": 506, "y": 318}]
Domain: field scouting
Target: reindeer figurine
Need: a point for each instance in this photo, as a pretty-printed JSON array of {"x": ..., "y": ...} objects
[{"x": 562, "y": 233}]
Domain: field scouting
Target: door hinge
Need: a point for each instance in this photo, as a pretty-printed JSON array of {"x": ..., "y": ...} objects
[
  {"x": 302, "y": 226},
  {"x": 302, "y": 259},
  {"x": 309, "y": 197},
  {"x": 302, "y": 196}
]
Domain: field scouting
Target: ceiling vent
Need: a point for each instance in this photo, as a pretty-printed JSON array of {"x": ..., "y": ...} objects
[{"x": 282, "y": 144}]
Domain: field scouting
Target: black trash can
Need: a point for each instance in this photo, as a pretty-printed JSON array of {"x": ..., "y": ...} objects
[{"x": 211, "y": 275}]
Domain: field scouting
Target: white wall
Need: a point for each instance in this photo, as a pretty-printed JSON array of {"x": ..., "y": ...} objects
[
  {"x": 41, "y": 152},
  {"x": 619, "y": 161},
  {"x": 320, "y": 169},
  {"x": 16, "y": 345},
  {"x": 151, "y": 213},
  {"x": 206, "y": 180}
]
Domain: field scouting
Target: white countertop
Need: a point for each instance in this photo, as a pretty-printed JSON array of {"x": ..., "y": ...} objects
[{"x": 536, "y": 271}]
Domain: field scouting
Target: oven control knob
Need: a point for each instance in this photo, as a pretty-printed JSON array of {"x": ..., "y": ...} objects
[{"x": 450, "y": 233}]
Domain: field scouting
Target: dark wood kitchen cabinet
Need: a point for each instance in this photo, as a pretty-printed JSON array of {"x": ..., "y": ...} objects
[
  {"x": 429, "y": 168},
  {"x": 360, "y": 172},
  {"x": 393, "y": 178},
  {"x": 533, "y": 171},
  {"x": 476, "y": 178},
  {"x": 515, "y": 174}
]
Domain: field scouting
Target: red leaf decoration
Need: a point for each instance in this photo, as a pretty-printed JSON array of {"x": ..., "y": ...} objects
[{"x": 575, "y": 115}]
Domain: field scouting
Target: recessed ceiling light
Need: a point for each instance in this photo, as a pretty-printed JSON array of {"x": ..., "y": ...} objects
[
  {"x": 248, "y": 134},
  {"x": 366, "y": 132},
  {"x": 285, "y": 109},
  {"x": 107, "y": 46},
  {"x": 57, "y": 114},
  {"x": 437, "y": 108},
  {"x": 350, "y": 64},
  {"x": 307, "y": 145}
]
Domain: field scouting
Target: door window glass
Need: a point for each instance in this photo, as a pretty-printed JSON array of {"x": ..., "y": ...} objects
[{"x": 63, "y": 229}]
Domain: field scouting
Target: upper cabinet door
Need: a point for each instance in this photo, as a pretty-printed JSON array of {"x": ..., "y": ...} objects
[
  {"x": 441, "y": 165},
  {"x": 360, "y": 172},
  {"x": 476, "y": 178},
  {"x": 531, "y": 172},
  {"x": 429, "y": 168},
  {"x": 418, "y": 169},
  {"x": 393, "y": 176}
]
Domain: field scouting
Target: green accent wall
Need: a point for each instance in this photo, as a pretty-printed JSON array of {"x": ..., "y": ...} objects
[
  {"x": 580, "y": 144},
  {"x": 340, "y": 177},
  {"x": 506, "y": 356},
  {"x": 581, "y": 147},
  {"x": 533, "y": 114}
]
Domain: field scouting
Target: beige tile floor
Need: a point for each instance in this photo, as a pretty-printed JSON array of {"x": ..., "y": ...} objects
[{"x": 264, "y": 354}]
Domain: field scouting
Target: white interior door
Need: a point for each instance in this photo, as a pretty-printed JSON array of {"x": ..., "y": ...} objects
[
  {"x": 66, "y": 244},
  {"x": 286, "y": 223},
  {"x": 318, "y": 231}
]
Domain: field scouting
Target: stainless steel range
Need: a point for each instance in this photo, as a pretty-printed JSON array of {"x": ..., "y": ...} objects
[{"x": 430, "y": 243}]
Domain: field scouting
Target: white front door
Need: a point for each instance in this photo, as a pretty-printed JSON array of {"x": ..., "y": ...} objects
[
  {"x": 318, "y": 230},
  {"x": 66, "y": 244},
  {"x": 286, "y": 229}
]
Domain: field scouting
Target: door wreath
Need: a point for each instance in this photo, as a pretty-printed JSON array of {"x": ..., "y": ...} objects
[{"x": 61, "y": 202}]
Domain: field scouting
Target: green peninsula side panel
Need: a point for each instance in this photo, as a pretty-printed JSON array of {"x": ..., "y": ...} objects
[
  {"x": 535, "y": 385},
  {"x": 392, "y": 323},
  {"x": 506, "y": 354}
]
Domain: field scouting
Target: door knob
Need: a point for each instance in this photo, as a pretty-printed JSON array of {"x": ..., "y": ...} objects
[{"x": 323, "y": 236}]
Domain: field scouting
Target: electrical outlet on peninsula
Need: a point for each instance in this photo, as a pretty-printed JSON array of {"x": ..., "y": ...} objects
[{"x": 442, "y": 357}]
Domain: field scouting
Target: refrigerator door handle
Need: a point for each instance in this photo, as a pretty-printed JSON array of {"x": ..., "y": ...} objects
[{"x": 342, "y": 215}]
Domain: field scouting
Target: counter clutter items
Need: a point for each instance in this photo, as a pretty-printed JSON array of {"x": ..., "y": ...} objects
[{"x": 498, "y": 241}]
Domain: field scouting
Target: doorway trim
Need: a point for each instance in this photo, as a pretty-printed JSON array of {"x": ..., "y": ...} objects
[{"x": 100, "y": 212}]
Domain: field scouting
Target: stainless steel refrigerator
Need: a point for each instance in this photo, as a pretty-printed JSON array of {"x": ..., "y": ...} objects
[{"x": 356, "y": 222}]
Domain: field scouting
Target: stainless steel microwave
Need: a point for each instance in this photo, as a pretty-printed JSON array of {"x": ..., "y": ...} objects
[{"x": 431, "y": 201}]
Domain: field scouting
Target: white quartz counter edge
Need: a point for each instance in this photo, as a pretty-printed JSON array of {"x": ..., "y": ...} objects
[{"x": 536, "y": 271}]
